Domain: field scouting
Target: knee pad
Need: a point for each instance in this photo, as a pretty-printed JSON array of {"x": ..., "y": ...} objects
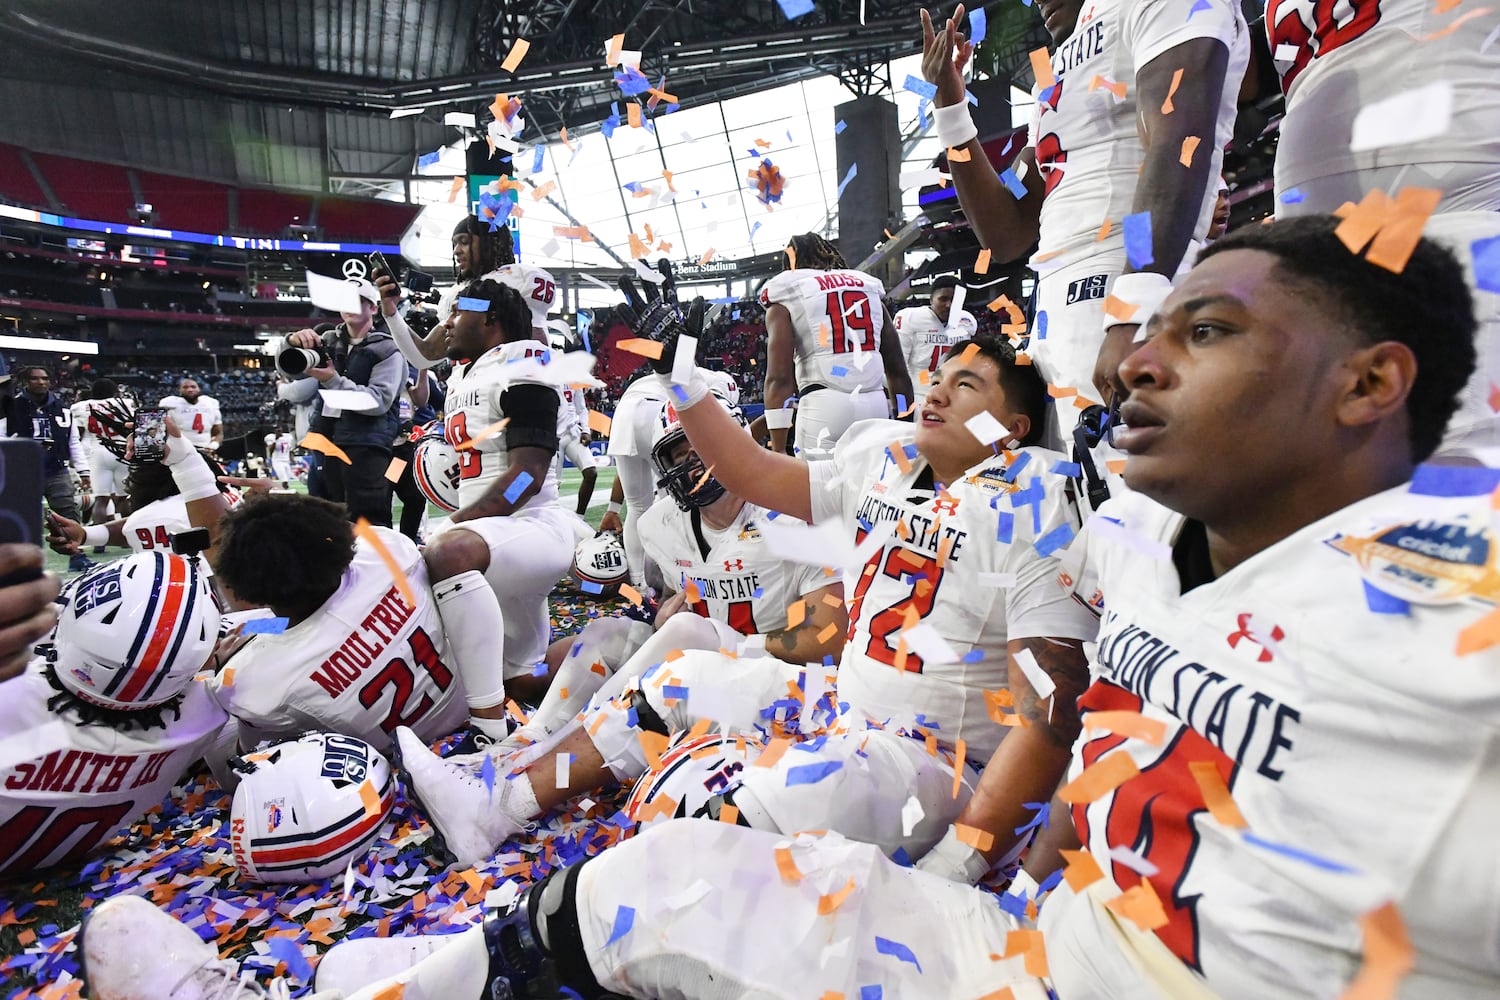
[
  {"x": 645, "y": 716},
  {"x": 550, "y": 911}
]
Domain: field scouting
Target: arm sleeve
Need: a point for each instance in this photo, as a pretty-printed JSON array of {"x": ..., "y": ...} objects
[
  {"x": 402, "y": 335},
  {"x": 386, "y": 381},
  {"x": 303, "y": 390},
  {"x": 532, "y": 409}
]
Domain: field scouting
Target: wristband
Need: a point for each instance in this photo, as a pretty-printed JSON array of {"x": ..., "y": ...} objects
[
  {"x": 778, "y": 419},
  {"x": 95, "y": 535},
  {"x": 954, "y": 125},
  {"x": 177, "y": 449},
  {"x": 1144, "y": 290},
  {"x": 615, "y": 508},
  {"x": 194, "y": 479},
  {"x": 690, "y": 393}
]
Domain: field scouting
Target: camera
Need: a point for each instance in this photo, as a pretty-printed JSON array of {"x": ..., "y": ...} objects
[{"x": 293, "y": 362}]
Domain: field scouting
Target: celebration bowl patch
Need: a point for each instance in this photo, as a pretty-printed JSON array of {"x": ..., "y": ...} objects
[{"x": 1427, "y": 562}]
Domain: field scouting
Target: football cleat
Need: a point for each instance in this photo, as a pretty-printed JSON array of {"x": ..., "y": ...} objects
[{"x": 470, "y": 817}]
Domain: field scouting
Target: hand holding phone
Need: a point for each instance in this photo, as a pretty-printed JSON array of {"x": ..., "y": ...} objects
[{"x": 150, "y": 436}]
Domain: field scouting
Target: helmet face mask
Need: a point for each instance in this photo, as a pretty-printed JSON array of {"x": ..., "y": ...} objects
[{"x": 685, "y": 479}]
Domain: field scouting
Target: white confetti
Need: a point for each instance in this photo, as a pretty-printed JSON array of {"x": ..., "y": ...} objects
[
  {"x": 1039, "y": 679},
  {"x": 924, "y": 640},
  {"x": 1133, "y": 861},
  {"x": 1408, "y": 117},
  {"x": 985, "y": 427},
  {"x": 911, "y": 815},
  {"x": 459, "y": 119}
]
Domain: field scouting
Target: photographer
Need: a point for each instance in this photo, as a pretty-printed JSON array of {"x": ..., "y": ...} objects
[{"x": 355, "y": 357}]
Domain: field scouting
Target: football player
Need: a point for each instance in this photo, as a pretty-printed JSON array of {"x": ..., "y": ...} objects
[
  {"x": 111, "y": 707},
  {"x": 1119, "y": 175},
  {"x": 101, "y": 421},
  {"x": 574, "y": 445},
  {"x": 926, "y": 332},
  {"x": 197, "y": 416},
  {"x": 830, "y": 343}
]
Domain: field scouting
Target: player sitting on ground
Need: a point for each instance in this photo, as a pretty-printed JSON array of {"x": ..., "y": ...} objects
[
  {"x": 936, "y": 507},
  {"x": 1342, "y": 575},
  {"x": 353, "y": 656},
  {"x": 830, "y": 342},
  {"x": 116, "y": 714}
]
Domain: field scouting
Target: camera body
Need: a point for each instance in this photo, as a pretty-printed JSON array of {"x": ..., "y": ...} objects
[{"x": 293, "y": 362}]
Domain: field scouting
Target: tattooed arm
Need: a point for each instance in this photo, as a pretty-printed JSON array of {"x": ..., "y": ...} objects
[
  {"x": 1032, "y": 759},
  {"x": 811, "y": 639}
]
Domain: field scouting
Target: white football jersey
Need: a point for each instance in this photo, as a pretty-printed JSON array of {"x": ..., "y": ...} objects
[
  {"x": 967, "y": 563},
  {"x": 925, "y": 340},
  {"x": 151, "y": 527},
  {"x": 1336, "y": 60},
  {"x": 837, "y": 318},
  {"x": 536, "y": 285},
  {"x": 640, "y": 415},
  {"x": 88, "y": 435},
  {"x": 574, "y": 414},
  {"x": 196, "y": 420},
  {"x": 474, "y": 409},
  {"x": 85, "y": 783},
  {"x": 362, "y": 665},
  {"x": 739, "y": 581},
  {"x": 1324, "y": 680},
  {"x": 1086, "y": 142}
]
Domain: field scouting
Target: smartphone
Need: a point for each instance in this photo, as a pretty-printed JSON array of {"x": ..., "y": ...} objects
[
  {"x": 22, "y": 475},
  {"x": 418, "y": 282},
  {"x": 150, "y": 435},
  {"x": 378, "y": 264}
]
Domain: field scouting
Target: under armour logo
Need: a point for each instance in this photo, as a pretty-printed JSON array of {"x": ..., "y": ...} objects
[
  {"x": 355, "y": 268},
  {"x": 945, "y": 505},
  {"x": 1248, "y": 630},
  {"x": 732, "y": 565}
]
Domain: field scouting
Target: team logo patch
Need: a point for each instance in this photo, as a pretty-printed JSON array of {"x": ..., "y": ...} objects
[
  {"x": 100, "y": 590},
  {"x": 344, "y": 760},
  {"x": 1084, "y": 289},
  {"x": 750, "y": 533},
  {"x": 274, "y": 814},
  {"x": 1427, "y": 562}
]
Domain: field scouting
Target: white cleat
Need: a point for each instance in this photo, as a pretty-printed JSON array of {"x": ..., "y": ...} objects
[
  {"x": 470, "y": 819},
  {"x": 133, "y": 951},
  {"x": 350, "y": 966}
]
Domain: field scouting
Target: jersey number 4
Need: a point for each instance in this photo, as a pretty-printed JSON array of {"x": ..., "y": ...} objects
[
  {"x": 924, "y": 574},
  {"x": 398, "y": 673},
  {"x": 852, "y": 322}
]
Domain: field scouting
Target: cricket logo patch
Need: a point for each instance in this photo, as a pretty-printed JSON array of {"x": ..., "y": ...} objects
[{"x": 1427, "y": 562}]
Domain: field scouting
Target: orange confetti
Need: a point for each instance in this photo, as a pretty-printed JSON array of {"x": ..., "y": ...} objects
[
  {"x": 1189, "y": 147},
  {"x": 1082, "y": 871},
  {"x": 1118, "y": 89},
  {"x": 370, "y": 797},
  {"x": 633, "y": 114},
  {"x": 796, "y": 613},
  {"x": 372, "y": 538},
  {"x": 1397, "y": 239},
  {"x": 1216, "y": 794},
  {"x": 957, "y": 154},
  {"x": 1116, "y": 465},
  {"x": 395, "y": 991},
  {"x": 708, "y": 255},
  {"x": 1133, "y": 725},
  {"x": 729, "y": 814},
  {"x": 980, "y": 840},
  {"x": 1028, "y": 943},
  {"x": 645, "y": 348},
  {"x": 1388, "y": 955},
  {"x": 654, "y": 744},
  {"x": 537, "y": 194},
  {"x": 1118, "y": 308},
  {"x": 828, "y": 632},
  {"x": 982, "y": 262},
  {"x": 580, "y": 233},
  {"x": 898, "y": 455},
  {"x": 960, "y": 749},
  {"x": 317, "y": 442},
  {"x": 616, "y": 45},
  {"x": 1166, "y": 106},
  {"x": 1061, "y": 391},
  {"x": 1100, "y": 778},
  {"x": 1481, "y": 634},
  {"x": 827, "y": 904},
  {"x": 1141, "y": 906},
  {"x": 484, "y": 434},
  {"x": 786, "y": 866},
  {"x": 1041, "y": 68},
  {"x": 227, "y": 677},
  {"x": 518, "y": 50},
  {"x": 1477, "y": 12},
  {"x": 630, "y": 594},
  {"x": 599, "y": 423},
  {"x": 773, "y": 752},
  {"x": 458, "y": 185},
  {"x": 394, "y": 470}
]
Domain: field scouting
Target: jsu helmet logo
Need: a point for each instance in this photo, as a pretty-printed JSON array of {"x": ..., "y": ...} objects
[
  {"x": 100, "y": 590},
  {"x": 345, "y": 760},
  {"x": 610, "y": 558}
]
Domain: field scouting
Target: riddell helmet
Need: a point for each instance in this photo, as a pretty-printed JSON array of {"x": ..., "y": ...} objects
[
  {"x": 133, "y": 633},
  {"x": 600, "y": 561},
  {"x": 304, "y": 809},
  {"x": 686, "y": 480},
  {"x": 435, "y": 467},
  {"x": 692, "y": 771}
]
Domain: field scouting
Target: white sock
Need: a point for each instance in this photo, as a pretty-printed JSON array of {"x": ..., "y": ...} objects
[
  {"x": 475, "y": 628},
  {"x": 459, "y": 971},
  {"x": 606, "y": 642},
  {"x": 495, "y": 729}
]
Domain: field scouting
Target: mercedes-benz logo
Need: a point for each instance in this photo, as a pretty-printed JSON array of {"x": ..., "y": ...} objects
[{"x": 355, "y": 268}]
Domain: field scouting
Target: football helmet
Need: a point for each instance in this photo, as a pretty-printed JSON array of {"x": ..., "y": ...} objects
[
  {"x": 693, "y": 770},
  {"x": 435, "y": 467},
  {"x": 131, "y": 634},
  {"x": 686, "y": 480},
  {"x": 600, "y": 561},
  {"x": 305, "y": 808}
]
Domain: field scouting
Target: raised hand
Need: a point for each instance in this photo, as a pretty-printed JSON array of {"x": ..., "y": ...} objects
[
  {"x": 944, "y": 55},
  {"x": 659, "y": 318}
]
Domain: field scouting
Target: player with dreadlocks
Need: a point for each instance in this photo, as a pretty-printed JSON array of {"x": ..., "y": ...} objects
[
  {"x": 825, "y": 326},
  {"x": 510, "y": 540},
  {"x": 481, "y": 250}
]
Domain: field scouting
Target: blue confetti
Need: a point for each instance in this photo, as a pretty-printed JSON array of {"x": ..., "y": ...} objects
[
  {"x": 631, "y": 718},
  {"x": 468, "y": 304},
  {"x": 852, "y": 173},
  {"x": 264, "y": 626},
  {"x": 1013, "y": 903},
  {"x": 1013, "y": 184},
  {"x": 1070, "y": 469},
  {"x": 794, "y": 9},
  {"x": 1006, "y": 527},
  {"x": 1046, "y": 96},
  {"x": 811, "y": 746},
  {"x": 1298, "y": 854},
  {"x": 1454, "y": 480},
  {"x": 487, "y": 774},
  {"x": 1486, "y": 254},
  {"x": 838, "y": 371},
  {"x": 518, "y": 486},
  {"x": 1050, "y": 882},
  {"x": 901, "y": 857},
  {"x": 900, "y": 403},
  {"x": 674, "y": 691},
  {"x": 540, "y": 669},
  {"x": 1040, "y": 326},
  {"x": 920, "y": 87},
  {"x": 1199, "y": 5},
  {"x": 1014, "y": 469},
  {"x": 974, "y": 655},
  {"x": 632, "y": 82},
  {"x": 755, "y": 229},
  {"x": 285, "y": 949},
  {"x": 428, "y": 159},
  {"x": 896, "y": 949},
  {"x": 1043, "y": 813},
  {"x": 811, "y": 774},
  {"x": 978, "y": 25},
  {"x": 1381, "y": 603},
  {"x": 624, "y": 920},
  {"x": 870, "y": 992},
  {"x": 536, "y": 159},
  {"x": 1055, "y": 539},
  {"x": 970, "y": 95},
  {"x": 922, "y": 119},
  {"x": 1138, "y": 240},
  {"x": 759, "y": 592},
  {"x": 1293, "y": 196},
  {"x": 839, "y": 126},
  {"x": 589, "y": 587}
]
